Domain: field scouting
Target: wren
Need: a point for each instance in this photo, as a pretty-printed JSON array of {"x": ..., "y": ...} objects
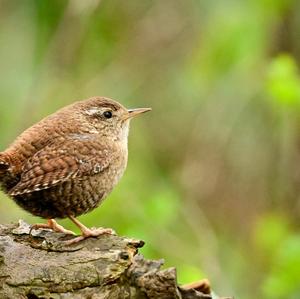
[{"x": 67, "y": 164}]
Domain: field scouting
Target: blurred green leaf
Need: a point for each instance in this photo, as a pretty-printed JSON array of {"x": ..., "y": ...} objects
[
  {"x": 163, "y": 206},
  {"x": 277, "y": 6},
  {"x": 284, "y": 279},
  {"x": 283, "y": 82},
  {"x": 188, "y": 273},
  {"x": 270, "y": 232}
]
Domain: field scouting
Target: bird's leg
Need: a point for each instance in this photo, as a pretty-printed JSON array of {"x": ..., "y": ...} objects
[
  {"x": 87, "y": 232},
  {"x": 52, "y": 224}
]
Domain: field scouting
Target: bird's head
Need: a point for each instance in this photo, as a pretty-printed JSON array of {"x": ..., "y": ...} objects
[{"x": 108, "y": 117}]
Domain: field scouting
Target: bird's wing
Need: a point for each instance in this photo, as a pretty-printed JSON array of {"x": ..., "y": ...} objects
[
  {"x": 61, "y": 161},
  {"x": 4, "y": 164}
]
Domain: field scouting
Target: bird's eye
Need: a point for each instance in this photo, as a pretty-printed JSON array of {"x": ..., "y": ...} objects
[{"x": 107, "y": 114}]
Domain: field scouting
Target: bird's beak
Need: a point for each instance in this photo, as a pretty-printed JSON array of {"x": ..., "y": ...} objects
[{"x": 134, "y": 112}]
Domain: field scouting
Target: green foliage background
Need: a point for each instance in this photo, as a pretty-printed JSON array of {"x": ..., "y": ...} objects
[{"x": 213, "y": 178}]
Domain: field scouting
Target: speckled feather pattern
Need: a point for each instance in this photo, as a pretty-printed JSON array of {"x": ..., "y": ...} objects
[{"x": 69, "y": 162}]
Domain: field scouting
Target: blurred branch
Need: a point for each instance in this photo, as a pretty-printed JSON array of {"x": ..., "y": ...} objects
[
  {"x": 43, "y": 266},
  {"x": 61, "y": 49}
]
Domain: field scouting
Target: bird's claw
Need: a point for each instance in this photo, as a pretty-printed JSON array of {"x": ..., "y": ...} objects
[{"x": 93, "y": 232}]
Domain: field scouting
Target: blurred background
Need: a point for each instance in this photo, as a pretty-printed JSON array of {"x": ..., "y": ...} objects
[{"x": 213, "y": 180}]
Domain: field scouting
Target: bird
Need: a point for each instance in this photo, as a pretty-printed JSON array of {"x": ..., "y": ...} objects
[{"x": 67, "y": 164}]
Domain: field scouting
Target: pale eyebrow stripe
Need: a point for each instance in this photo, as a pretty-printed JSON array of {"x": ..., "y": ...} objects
[{"x": 92, "y": 111}]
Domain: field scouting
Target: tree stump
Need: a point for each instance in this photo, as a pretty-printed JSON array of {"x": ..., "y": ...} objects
[{"x": 40, "y": 265}]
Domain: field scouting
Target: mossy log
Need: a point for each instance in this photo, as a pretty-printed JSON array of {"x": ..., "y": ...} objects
[{"x": 41, "y": 265}]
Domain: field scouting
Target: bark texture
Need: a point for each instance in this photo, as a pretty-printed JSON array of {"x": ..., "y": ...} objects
[{"x": 40, "y": 265}]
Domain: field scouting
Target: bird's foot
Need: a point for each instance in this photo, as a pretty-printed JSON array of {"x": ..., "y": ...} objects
[
  {"x": 53, "y": 225},
  {"x": 94, "y": 232},
  {"x": 87, "y": 232}
]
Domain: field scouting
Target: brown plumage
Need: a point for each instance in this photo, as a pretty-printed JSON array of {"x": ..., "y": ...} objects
[{"x": 67, "y": 163}]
